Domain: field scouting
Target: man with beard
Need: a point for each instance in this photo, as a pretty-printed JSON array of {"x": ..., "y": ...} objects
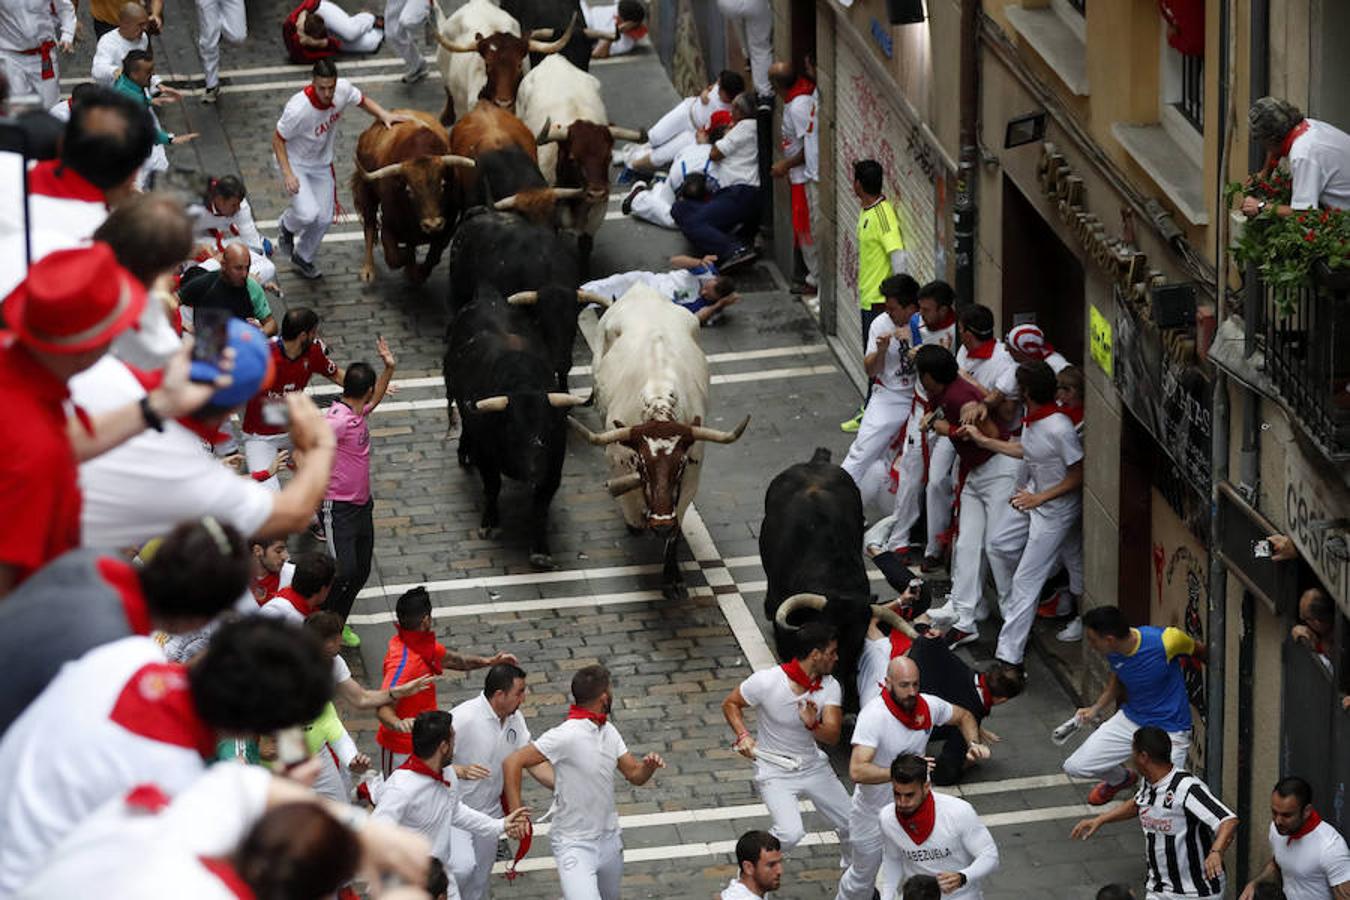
[
  {"x": 759, "y": 863},
  {"x": 898, "y": 722},
  {"x": 799, "y": 707},
  {"x": 1308, "y": 855}
]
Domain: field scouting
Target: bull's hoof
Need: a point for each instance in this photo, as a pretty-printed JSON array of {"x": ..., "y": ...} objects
[
  {"x": 542, "y": 561},
  {"x": 367, "y": 274},
  {"x": 489, "y": 532},
  {"x": 675, "y": 591},
  {"x": 634, "y": 530}
]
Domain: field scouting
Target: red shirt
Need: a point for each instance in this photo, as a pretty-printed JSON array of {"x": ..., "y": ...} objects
[
  {"x": 38, "y": 471},
  {"x": 289, "y": 375},
  {"x": 402, "y": 665},
  {"x": 958, "y": 394},
  {"x": 265, "y": 586}
]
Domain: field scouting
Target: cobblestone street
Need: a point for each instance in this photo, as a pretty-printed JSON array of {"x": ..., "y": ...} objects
[{"x": 673, "y": 662}]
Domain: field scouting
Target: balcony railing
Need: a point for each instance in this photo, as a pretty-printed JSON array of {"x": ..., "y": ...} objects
[
  {"x": 1307, "y": 356},
  {"x": 1191, "y": 104}
]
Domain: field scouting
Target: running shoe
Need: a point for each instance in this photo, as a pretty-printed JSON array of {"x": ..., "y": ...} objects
[{"x": 1103, "y": 793}]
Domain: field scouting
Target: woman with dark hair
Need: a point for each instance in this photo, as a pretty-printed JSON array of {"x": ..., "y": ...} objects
[{"x": 222, "y": 216}]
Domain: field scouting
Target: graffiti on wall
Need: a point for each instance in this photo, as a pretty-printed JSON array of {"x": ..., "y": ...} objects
[{"x": 1182, "y": 601}]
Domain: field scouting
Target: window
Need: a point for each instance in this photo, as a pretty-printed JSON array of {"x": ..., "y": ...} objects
[{"x": 1191, "y": 103}]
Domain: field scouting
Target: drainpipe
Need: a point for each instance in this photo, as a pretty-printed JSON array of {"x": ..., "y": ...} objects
[{"x": 965, "y": 212}]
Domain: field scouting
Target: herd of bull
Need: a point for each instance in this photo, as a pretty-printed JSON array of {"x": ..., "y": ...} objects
[{"x": 516, "y": 189}]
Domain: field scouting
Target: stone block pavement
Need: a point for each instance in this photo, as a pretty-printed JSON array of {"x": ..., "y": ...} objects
[{"x": 673, "y": 662}]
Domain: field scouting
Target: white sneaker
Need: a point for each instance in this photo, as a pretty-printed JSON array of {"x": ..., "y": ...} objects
[
  {"x": 1071, "y": 632},
  {"x": 943, "y": 616}
]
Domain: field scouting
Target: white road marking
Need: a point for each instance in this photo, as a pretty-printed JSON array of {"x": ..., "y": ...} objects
[
  {"x": 226, "y": 74},
  {"x": 522, "y": 606},
  {"x": 559, "y": 576}
]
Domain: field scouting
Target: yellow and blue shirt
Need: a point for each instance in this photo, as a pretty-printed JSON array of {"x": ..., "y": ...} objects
[{"x": 1155, "y": 689}]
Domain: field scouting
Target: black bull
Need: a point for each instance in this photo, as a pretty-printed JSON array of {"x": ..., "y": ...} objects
[{"x": 811, "y": 543}]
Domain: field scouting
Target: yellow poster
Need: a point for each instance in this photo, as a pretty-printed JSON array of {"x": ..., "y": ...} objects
[{"x": 1099, "y": 333}]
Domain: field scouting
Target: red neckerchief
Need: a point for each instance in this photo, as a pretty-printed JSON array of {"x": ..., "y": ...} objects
[
  {"x": 313, "y": 97},
  {"x": 1075, "y": 413},
  {"x": 637, "y": 32},
  {"x": 920, "y": 825},
  {"x": 985, "y": 697},
  {"x": 919, "y": 720},
  {"x": 51, "y": 179},
  {"x": 156, "y": 704},
  {"x": 900, "y": 643},
  {"x": 580, "y": 712},
  {"x": 1294, "y": 134},
  {"x": 265, "y": 586},
  {"x": 121, "y": 577},
  {"x": 147, "y": 798},
  {"x": 797, "y": 675},
  {"x": 1045, "y": 411},
  {"x": 423, "y": 643},
  {"x": 803, "y": 87},
  {"x": 223, "y": 869},
  {"x": 414, "y": 764},
  {"x": 300, "y": 603},
  {"x": 1309, "y": 823},
  {"x": 982, "y": 351},
  {"x": 211, "y": 435},
  {"x": 511, "y": 874},
  {"x": 948, "y": 322}
]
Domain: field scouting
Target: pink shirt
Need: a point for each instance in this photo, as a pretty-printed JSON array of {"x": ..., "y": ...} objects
[{"x": 350, "y": 481}]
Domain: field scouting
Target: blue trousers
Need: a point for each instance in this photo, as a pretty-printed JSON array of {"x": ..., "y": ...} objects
[{"x": 708, "y": 224}]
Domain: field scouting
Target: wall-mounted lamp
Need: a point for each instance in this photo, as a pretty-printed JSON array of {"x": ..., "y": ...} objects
[{"x": 904, "y": 12}]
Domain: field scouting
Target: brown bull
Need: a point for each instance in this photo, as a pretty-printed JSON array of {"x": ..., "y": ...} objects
[
  {"x": 403, "y": 173},
  {"x": 583, "y": 164},
  {"x": 503, "y": 55},
  {"x": 506, "y": 172}
]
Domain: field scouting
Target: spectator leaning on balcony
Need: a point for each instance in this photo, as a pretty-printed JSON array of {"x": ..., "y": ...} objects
[{"x": 1318, "y": 153}]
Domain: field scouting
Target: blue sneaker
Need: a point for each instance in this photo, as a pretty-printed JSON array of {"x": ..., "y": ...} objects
[{"x": 627, "y": 176}]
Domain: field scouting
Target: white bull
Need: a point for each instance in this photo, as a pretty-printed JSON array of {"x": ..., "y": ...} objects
[{"x": 651, "y": 382}]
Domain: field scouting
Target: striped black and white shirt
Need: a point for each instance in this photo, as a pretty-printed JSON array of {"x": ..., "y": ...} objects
[{"x": 1180, "y": 816}]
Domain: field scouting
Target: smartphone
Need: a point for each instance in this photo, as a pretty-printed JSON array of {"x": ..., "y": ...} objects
[
  {"x": 275, "y": 412},
  {"x": 211, "y": 328},
  {"x": 1261, "y": 549}
]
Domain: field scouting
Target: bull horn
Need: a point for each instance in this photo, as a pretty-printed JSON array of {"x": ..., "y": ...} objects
[
  {"x": 616, "y": 435},
  {"x": 523, "y": 298},
  {"x": 554, "y": 46},
  {"x": 584, "y": 297},
  {"x": 559, "y": 400},
  {"x": 794, "y": 603},
  {"x": 382, "y": 172},
  {"x": 617, "y": 487},
  {"x": 700, "y": 433},
  {"x": 892, "y": 618},
  {"x": 492, "y": 404},
  {"x": 454, "y": 159},
  {"x": 551, "y": 133},
  {"x": 540, "y": 34},
  {"x": 451, "y": 47},
  {"x": 626, "y": 134},
  {"x": 601, "y": 34}
]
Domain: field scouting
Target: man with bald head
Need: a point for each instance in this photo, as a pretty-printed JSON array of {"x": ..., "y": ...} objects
[
  {"x": 113, "y": 46},
  {"x": 799, "y": 162},
  {"x": 229, "y": 288},
  {"x": 900, "y": 721}
]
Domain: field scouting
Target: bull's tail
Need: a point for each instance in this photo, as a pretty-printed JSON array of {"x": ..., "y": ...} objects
[{"x": 822, "y": 455}]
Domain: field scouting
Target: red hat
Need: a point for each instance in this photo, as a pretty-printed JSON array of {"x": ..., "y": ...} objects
[
  {"x": 1030, "y": 340},
  {"x": 720, "y": 118},
  {"x": 74, "y": 300}
]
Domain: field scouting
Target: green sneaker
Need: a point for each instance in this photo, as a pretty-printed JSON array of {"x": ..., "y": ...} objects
[
  {"x": 350, "y": 638},
  {"x": 852, "y": 425}
]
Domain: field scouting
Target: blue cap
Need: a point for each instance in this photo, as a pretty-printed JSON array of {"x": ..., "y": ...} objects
[{"x": 252, "y": 365}]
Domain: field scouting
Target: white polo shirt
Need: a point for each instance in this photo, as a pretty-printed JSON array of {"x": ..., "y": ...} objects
[
  {"x": 740, "y": 155},
  {"x": 481, "y": 738},
  {"x": 147, "y": 485},
  {"x": 959, "y": 843},
  {"x": 780, "y": 727},
  {"x": 119, "y": 716},
  {"x": 878, "y": 728},
  {"x": 112, "y": 48},
  {"x": 1313, "y": 864},
  {"x": 131, "y": 847},
  {"x": 987, "y": 370},
  {"x": 310, "y": 132},
  {"x": 737, "y": 891},
  {"x": 1049, "y": 447},
  {"x": 429, "y": 807},
  {"x": 799, "y": 118},
  {"x": 1319, "y": 163},
  {"x": 585, "y": 758}
]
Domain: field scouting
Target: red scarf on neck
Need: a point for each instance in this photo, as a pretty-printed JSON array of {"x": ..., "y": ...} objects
[
  {"x": 919, "y": 720},
  {"x": 122, "y": 577},
  {"x": 920, "y": 825},
  {"x": 580, "y": 712},
  {"x": 800, "y": 88},
  {"x": 416, "y": 765},
  {"x": 1309, "y": 823},
  {"x": 423, "y": 643},
  {"x": 313, "y": 97},
  {"x": 1075, "y": 413},
  {"x": 900, "y": 643},
  {"x": 982, "y": 351},
  {"x": 947, "y": 322},
  {"x": 224, "y": 871},
  {"x": 300, "y": 603},
  {"x": 1294, "y": 134},
  {"x": 1046, "y": 411},
  {"x": 985, "y": 697},
  {"x": 797, "y": 675}
]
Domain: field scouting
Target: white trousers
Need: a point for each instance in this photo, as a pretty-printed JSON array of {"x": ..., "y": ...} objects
[
  {"x": 885, "y": 413},
  {"x": 24, "y": 71},
  {"x": 260, "y": 267},
  {"x": 470, "y": 862},
  {"x": 909, "y": 492},
  {"x": 673, "y": 124},
  {"x": 859, "y": 881},
  {"x": 311, "y": 211},
  {"x": 589, "y": 870},
  {"x": 261, "y": 449},
  {"x": 810, "y": 253},
  {"x": 984, "y": 498},
  {"x": 217, "y": 19},
  {"x": 940, "y": 493},
  {"x": 1101, "y": 755},
  {"x": 818, "y": 783},
  {"x": 357, "y": 33},
  {"x": 753, "y": 20},
  {"x": 876, "y": 656},
  {"x": 332, "y": 782},
  {"x": 653, "y": 205},
  {"x": 1024, "y": 550},
  {"x": 402, "y": 18}
]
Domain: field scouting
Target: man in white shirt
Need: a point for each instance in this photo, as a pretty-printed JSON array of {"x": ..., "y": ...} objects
[
  {"x": 303, "y": 143},
  {"x": 403, "y": 20},
  {"x": 1308, "y": 855},
  {"x": 224, "y": 217},
  {"x": 217, "y": 19},
  {"x": 898, "y": 722},
  {"x": 423, "y": 794},
  {"x": 694, "y": 285},
  {"x": 489, "y": 727},
  {"x": 113, "y": 47},
  {"x": 926, "y": 833},
  {"x": 677, "y": 129},
  {"x": 584, "y": 751},
  {"x": 121, "y": 715},
  {"x": 1026, "y": 343},
  {"x": 28, "y": 43},
  {"x": 799, "y": 706},
  {"x": 799, "y": 121},
  {"x": 759, "y": 864},
  {"x": 653, "y": 202},
  {"x": 1318, "y": 154},
  {"x": 718, "y": 225},
  {"x": 1028, "y": 541}
]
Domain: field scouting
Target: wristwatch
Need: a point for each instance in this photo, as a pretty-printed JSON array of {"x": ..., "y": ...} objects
[
  {"x": 152, "y": 419},
  {"x": 1261, "y": 207}
]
